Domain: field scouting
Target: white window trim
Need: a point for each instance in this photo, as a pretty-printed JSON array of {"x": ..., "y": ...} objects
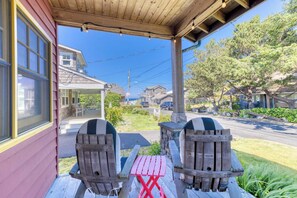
[
  {"x": 70, "y": 59},
  {"x": 66, "y": 92}
]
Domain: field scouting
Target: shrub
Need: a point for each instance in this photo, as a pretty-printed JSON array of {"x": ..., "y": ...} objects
[
  {"x": 140, "y": 111},
  {"x": 129, "y": 108},
  {"x": 266, "y": 180},
  {"x": 164, "y": 118},
  {"x": 188, "y": 107},
  {"x": 235, "y": 106},
  {"x": 112, "y": 99},
  {"x": 244, "y": 113},
  {"x": 289, "y": 114},
  {"x": 154, "y": 149},
  {"x": 114, "y": 115}
]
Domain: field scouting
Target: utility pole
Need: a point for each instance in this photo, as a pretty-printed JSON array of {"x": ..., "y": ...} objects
[{"x": 129, "y": 86}]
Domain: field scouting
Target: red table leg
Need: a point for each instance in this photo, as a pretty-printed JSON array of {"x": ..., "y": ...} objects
[{"x": 145, "y": 187}]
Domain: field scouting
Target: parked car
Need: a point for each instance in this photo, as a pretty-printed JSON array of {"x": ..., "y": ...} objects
[
  {"x": 167, "y": 105},
  {"x": 144, "y": 104}
]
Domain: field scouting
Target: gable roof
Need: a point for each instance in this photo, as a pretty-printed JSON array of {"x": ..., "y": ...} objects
[
  {"x": 78, "y": 52},
  {"x": 71, "y": 79},
  {"x": 155, "y": 87}
]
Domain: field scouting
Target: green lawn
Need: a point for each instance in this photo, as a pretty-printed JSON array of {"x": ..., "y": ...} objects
[
  {"x": 266, "y": 150},
  {"x": 136, "y": 122}
]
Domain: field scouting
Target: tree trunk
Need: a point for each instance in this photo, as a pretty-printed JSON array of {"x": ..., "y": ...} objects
[
  {"x": 250, "y": 98},
  {"x": 231, "y": 102}
]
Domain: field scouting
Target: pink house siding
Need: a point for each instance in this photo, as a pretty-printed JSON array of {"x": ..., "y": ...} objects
[{"x": 29, "y": 168}]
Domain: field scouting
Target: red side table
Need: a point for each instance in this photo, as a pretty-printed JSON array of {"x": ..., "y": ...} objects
[{"x": 152, "y": 166}]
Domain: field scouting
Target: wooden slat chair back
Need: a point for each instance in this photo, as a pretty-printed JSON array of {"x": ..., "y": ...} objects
[
  {"x": 205, "y": 160},
  {"x": 207, "y": 163},
  {"x": 96, "y": 159}
]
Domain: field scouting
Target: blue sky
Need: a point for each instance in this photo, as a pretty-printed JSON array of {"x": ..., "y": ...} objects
[{"x": 110, "y": 56}]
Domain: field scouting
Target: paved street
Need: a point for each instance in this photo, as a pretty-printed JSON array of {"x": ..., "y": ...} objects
[{"x": 250, "y": 128}]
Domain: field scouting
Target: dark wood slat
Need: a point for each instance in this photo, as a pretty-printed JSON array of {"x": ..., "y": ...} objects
[
  {"x": 199, "y": 160},
  {"x": 208, "y": 163},
  {"x": 209, "y": 138},
  {"x": 103, "y": 161},
  {"x": 218, "y": 161},
  {"x": 189, "y": 162},
  {"x": 226, "y": 161}
]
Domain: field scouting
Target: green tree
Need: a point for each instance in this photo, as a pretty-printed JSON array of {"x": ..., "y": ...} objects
[
  {"x": 112, "y": 100},
  {"x": 266, "y": 53},
  {"x": 209, "y": 75},
  {"x": 90, "y": 100}
]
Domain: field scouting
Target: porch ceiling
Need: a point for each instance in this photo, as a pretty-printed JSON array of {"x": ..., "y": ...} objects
[{"x": 164, "y": 19}]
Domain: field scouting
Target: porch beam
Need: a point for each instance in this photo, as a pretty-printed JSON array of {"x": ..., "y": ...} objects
[
  {"x": 243, "y": 3},
  {"x": 178, "y": 114},
  {"x": 110, "y": 24},
  {"x": 102, "y": 104},
  {"x": 220, "y": 16},
  {"x": 198, "y": 12},
  {"x": 203, "y": 27}
]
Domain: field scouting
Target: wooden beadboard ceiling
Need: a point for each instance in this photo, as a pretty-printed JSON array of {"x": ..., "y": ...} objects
[{"x": 156, "y": 18}]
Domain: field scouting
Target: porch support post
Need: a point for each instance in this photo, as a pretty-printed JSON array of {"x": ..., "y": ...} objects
[
  {"x": 178, "y": 114},
  {"x": 102, "y": 104}
]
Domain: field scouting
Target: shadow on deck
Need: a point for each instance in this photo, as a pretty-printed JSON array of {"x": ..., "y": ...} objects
[{"x": 65, "y": 187}]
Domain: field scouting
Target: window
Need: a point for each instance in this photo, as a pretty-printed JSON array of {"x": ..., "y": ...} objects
[
  {"x": 66, "y": 59},
  {"x": 33, "y": 78},
  {"x": 66, "y": 62},
  {"x": 5, "y": 127},
  {"x": 64, "y": 98}
]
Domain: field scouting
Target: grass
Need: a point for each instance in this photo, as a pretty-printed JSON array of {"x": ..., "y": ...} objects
[
  {"x": 271, "y": 151},
  {"x": 136, "y": 122},
  {"x": 65, "y": 164}
]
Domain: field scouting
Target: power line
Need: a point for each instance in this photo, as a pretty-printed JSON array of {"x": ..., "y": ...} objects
[{"x": 128, "y": 56}]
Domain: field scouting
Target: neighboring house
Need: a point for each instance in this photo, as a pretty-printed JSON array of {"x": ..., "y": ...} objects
[
  {"x": 261, "y": 99},
  {"x": 161, "y": 97},
  {"x": 74, "y": 81},
  {"x": 115, "y": 88},
  {"x": 150, "y": 92}
]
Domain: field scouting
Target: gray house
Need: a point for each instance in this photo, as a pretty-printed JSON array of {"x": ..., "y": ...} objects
[
  {"x": 74, "y": 81},
  {"x": 150, "y": 92}
]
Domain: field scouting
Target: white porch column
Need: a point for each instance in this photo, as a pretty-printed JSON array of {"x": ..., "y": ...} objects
[
  {"x": 178, "y": 114},
  {"x": 102, "y": 104}
]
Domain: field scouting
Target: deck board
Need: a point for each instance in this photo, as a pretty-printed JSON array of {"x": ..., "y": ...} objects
[{"x": 65, "y": 187}]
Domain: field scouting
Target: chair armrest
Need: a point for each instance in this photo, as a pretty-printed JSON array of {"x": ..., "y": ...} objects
[
  {"x": 74, "y": 170},
  {"x": 174, "y": 152},
  {"x": 129, "y": 163},
  {"x": 235, "y": 163}
]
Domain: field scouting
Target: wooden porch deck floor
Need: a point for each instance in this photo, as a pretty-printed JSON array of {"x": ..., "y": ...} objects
[{"x": 65, "y": 187}]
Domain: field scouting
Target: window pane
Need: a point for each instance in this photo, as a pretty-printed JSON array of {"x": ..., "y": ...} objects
[
  {"x": 33, "y": 61},
  {"x": 33, "y": 41},
  {"x": 1, "y": 43},
  {"x": 22, "y": 31},
  {"x": 42, "y": 66},
  {"x": 42, "y": 48},
  {"x": 33, "y": 102},
  {"x": 22, "y": 56},
  {"x": 4, "y": 103},
  {"x": 66, "y": 62}
]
